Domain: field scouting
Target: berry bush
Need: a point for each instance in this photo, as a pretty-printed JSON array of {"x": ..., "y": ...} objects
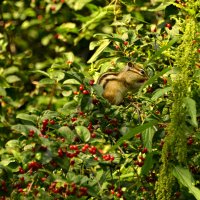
[{"x": 60, "y": 138}]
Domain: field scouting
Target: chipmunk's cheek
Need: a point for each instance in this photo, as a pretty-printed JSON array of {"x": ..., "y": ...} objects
[{"x": 142, "y": 80}]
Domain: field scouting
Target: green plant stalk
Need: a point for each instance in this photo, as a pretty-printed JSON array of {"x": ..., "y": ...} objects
[{"x": 175, "y": 146}]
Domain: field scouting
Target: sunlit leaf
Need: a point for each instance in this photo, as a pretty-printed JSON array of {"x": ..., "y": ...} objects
[
  {"x": 47, "y": 81},
  {"x": 160, "y": 93},
  {"x": 185, "y": 178},
  {"x": 71, "y": 82},
  {"x": 27, "y": 117},
  {"x": 56, "y": 75},
  {"x": 147, "y": 138},
  {"x": 103, "y": 45},
  {"x": 148, "y": 164},
  {"x": 83, "y": 133},
  {"x": 67, "y": 133},
  {"x": 191, "y": 108}
]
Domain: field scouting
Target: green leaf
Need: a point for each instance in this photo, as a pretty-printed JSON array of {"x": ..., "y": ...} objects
[
  {"x": 12, "y": 144},
  {"x": 162, "y": 6},
  {"x": 77, "y": 4},
  {"x": 71, "y": 82},
  {"x": 41, "y": 72},
  {"x": 83, "y": 133},
  {"x": 132, "y": 131},
  {"x": 191, "y": 108},
  {"x": 12, "y": 79},
  {"x": 103, "y": 45},
  {"x": 2, "y": 92},
  {"x": 148, "y": 164},
  {"x": 5, "y": 162},
  {"x": 24, "y": 129},
  {"x": 161, "y": 50},
  {"x": 47, "y": 81},
  {"x": 67, "y": 133},
  {"x": 3, "y": 83},
  {"x": 184, "y": 177},
  {"x": 27, "y": 117},
  {"x": 74, "y": 75},
  {"x": 152, "y": 79},
  {"x": 56, "y": 75},
  {"x": 160, "y": 92},
  {"x": 97, "y": 16},
  {"x": 98, "y": 89},
  {"x": 46, "y": 156},
  {"x": 69, "y": 107},
  {"x": 86, "y": 103},
  {"x": 147, "y": 137},
  {"x": 63, "y": 162}
]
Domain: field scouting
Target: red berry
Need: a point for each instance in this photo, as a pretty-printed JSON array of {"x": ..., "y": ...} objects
[
  {"x": 60, "y": 152},
  {"x": 73, "y": 119},
  {"x": 145, "y": 150},
  {"x": 177, "y": 194},
  {"x": 198, "y": 50},
  {"x": 45, "y": 122},
  {"x": 108, "y": 131},
  {"x": 95, "y": 158},
  {"x": 125, "y": 43},
  {"x": 190, "y": 141},
  {"x": 91, "y": 82},
  {"x": 92, "y": 150},
  {"x": 168, "y": 25},
  {"x": 117, "y": 47},
  {"x": 43, "y": 179},
  {"x": 125, "y": 145},
  {"x": 72, "y": 162},
  {"x": 81, "y": 113},
  {"x": 75, "y": 92},
  {"x": 53, "y": 8},
  {"x": 22, "y": 178},
  {"x": 81, "y": 87},
  {"x": 119, "y": 195},
  {"x": 86, "y": 92},
  {"x": 95, "y": 101},
  {"x": 84, "y": 149},
  {"x": 31, "y": 133},
  {"x": 112, "y": 191},
  {"x": 93, "y": 135},
  {"x": 157, "y": 112},
  {"x": 39, "y": 17},
  {"x": 149, "y": 89},
  {"x": 141, "y": 158},
  {"x": 138, "y": 135},
  {"x": 112, "y": 158},
  {"x": 21, "y": 171},
  {"x": 164, "y": 81},
  {"x": 106, "y": 157},
  {"x": 20, "y": 190},
  {"x": 52, "y": 122},
  {"x": 140, "y": 163}
]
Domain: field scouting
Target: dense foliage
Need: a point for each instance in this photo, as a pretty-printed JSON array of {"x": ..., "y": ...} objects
[{"x": 60, "y": 138}]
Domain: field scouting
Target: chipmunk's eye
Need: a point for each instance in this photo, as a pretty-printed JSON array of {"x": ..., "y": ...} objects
[{"x": 142, "y": 72}]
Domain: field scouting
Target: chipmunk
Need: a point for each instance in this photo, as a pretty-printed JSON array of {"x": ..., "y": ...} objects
[{"x": 117, "y": 84}]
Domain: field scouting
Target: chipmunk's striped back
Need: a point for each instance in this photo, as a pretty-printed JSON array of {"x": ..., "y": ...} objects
[
  {"x": 116, "y": 84},
  {"x": 104, "y": 78}
]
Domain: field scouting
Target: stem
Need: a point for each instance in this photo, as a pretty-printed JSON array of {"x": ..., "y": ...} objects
[{"x": 53, "y": 91}]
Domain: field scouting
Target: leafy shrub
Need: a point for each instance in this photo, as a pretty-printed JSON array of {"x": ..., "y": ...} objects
[{"x": 61, "y": 139}]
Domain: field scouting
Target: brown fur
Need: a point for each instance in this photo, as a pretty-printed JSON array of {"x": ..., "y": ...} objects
[{"x": 116, "y": 85}]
